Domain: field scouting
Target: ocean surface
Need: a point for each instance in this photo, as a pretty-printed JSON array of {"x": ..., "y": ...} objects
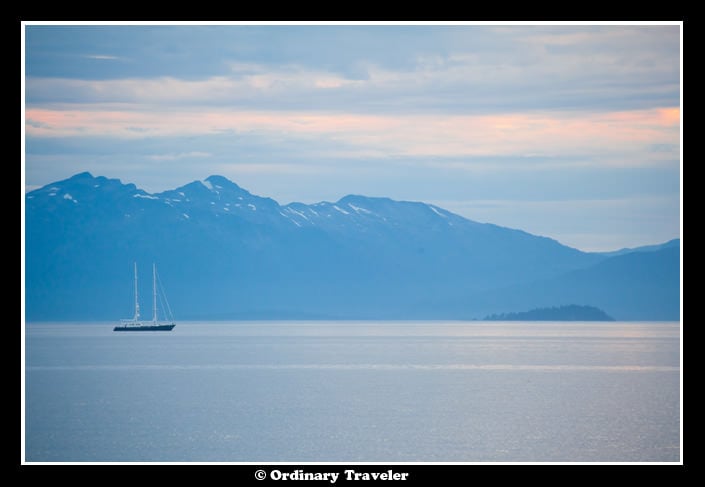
[{"x": 353, "y": 392}]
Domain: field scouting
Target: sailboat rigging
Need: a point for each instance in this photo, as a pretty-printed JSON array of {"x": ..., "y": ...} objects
[{"x": 135, "y": 324}]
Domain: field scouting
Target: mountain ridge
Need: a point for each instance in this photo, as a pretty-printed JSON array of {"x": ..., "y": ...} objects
[
  {"x": 247, "y": 255},
  {"x": 675, "y": 242}
]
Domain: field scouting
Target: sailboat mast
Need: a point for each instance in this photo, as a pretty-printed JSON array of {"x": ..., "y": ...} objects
[
  {"x": 136, "y": 324},
  {"x": 137, "y": 302},
  {"x": 154, "y": 288}
]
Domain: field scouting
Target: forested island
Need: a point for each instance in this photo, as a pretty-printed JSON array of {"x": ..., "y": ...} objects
[{"x": 570, "y": 312}]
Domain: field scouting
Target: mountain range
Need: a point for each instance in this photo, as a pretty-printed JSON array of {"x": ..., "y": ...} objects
[{"x": 224, "y": 253}]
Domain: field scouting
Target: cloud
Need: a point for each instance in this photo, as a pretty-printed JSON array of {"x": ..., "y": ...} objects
[
  {"x": 37, "y": 124},
  {"x": 180, "y": 155},
  {"x": 472, "y": 70},
  {"x": 609, "y": 138},
  {"x": 271, "y": 86}
]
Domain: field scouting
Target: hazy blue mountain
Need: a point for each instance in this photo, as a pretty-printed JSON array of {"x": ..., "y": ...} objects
[
  {"x": 223, "y": 252},
  {"x": 633, "y": 286},
  {"x": 676, "y": 242},
  {"x": 568, "y": 312}
]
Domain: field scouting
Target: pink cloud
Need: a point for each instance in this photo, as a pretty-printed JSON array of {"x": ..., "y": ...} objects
[{"x": 608, "y": 134}]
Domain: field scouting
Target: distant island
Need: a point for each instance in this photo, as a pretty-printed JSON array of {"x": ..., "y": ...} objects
[{"x": 570, "y": 312}]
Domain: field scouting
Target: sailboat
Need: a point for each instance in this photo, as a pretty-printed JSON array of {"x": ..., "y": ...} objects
[{"x": 135, "y": 324}]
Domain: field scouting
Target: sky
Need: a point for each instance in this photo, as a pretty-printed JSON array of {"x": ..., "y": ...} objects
[{"x": 567, "y": 131}]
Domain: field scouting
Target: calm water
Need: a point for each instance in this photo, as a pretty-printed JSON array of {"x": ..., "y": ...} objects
[{"x": 349, "y": 392}]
